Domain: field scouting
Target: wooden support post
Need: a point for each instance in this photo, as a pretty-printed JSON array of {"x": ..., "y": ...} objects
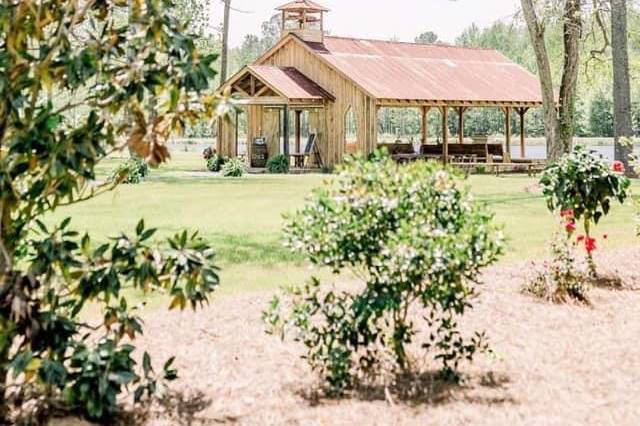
[
  {"x": 507, "y": 133},
  {"x": 461, "y": 111},
  {"x": 445, "y": 134},
  {"x": 285, "y": 130},
  {"x": 522, "y": 112},
  {"x": 298, "y": 130},
  {"x": 237, "y": 134},
  {"x": 425, "y": 125}
]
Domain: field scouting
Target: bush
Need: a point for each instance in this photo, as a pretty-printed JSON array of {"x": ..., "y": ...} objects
[
  {"x": 416, "y": 239},
  {"x": 580, "y": 187},
  {"x": 278, "y": 164},
  {"x": 131, "y": 172},
  {"x": 234, "y": 167},
  {"x": 67, "y": 326},
  {"x": 601, "y": 116},
  {"x": 208, "y": 152},
  {"x": 215, "y": 163},
  {"x": 560, "y": 279}
]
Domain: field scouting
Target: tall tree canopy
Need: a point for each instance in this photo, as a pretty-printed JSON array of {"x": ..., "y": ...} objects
[
  {"x": 427, "y": 37},
  {"x": 129, "y": 76}
]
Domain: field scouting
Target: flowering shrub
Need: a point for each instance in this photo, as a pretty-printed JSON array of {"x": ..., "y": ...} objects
[
  {"x": 418, "y": 242},
  {"x": 215, "y": 163},
  {"x": 581, "y": 187},
  {"x": 561, "y": 278},
  {"x": 233, "y": 167},
  {"x": 131, "y": 172}
]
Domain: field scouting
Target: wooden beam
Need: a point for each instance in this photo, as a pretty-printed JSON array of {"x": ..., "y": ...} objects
[
  {"x": 425, "y": 124},
  {"x": 461, "y": 111},
  {"x": 235, "y": 154},
  {"x": 507, "y": 131},
  {"x": 285, "y": 130},
  {"x": 522, "y": 112},
  {"x": 263, "y": 90},
  {"x": 445, "y": 134},
  {"x": 298, "y": 130}
]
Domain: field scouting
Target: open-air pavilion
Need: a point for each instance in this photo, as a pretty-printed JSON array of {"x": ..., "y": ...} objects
[{"x": 336, "y": 87}]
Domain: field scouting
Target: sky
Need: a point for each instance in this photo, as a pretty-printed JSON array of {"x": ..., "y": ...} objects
[{"x": 378, "y": 19}]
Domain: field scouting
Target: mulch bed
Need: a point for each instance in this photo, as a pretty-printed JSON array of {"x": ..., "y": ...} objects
[{"x": 553, "y": 364}]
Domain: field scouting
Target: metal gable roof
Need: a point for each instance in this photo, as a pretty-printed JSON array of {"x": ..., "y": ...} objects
[
  {"x": 290, "y": 82},
  {"x": 419, "y": 72}
]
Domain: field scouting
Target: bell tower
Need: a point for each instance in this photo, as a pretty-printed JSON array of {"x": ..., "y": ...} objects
[{"x": 304, "y": 18}]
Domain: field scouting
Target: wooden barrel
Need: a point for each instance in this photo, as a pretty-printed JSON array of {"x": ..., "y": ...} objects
[{"x": 259, "y": 156}]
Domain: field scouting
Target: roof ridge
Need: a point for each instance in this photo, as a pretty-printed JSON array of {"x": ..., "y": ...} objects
[{"x": 446, "y": 45}]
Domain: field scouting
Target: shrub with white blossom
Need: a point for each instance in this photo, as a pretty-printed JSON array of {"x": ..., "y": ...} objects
[{"x": 417, "y": 240}]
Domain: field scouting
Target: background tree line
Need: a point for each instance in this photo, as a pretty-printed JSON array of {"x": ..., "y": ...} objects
[{"x": 594, "y": 109}]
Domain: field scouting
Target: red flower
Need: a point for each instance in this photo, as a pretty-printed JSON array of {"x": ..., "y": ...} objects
[
  {"x": 570, "y": 227},
  {"x": 580, "y": 238},
  {"x": 590, "y": 245},
  {"x": 567, "y": 214},
  {"x": 618, "y": 167}
]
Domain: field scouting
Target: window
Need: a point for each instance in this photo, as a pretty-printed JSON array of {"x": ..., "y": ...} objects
[{"x": 350, "y": 127}]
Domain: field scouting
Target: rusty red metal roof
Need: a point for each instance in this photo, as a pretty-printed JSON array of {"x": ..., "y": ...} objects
[
  {"x": 308, "y": 5},
  {"x": 422, "y": 72},
  {"x": 290, "y": 82}
]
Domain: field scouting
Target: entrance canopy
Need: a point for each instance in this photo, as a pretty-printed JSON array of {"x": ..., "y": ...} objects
[{"x": 271, "y": 85}]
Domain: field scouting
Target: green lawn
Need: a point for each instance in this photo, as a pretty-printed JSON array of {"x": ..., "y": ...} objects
[{"x": 242, "y": 218}]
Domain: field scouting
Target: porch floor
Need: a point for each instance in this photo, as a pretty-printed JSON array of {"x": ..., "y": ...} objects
[{"x": 293, "y": 171}]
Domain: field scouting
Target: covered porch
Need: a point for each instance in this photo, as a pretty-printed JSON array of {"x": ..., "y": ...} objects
[
  {"x": 279, "y": 111},
  {"x": 452, "y": 144}
]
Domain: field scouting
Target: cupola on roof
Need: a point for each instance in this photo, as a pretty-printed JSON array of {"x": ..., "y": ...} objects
[
  {"x": 303, "y": 18},
  {"x": 300, "y": 5}
]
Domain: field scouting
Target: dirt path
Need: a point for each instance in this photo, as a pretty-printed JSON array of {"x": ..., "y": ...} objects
[{"x": 554, "y": 365}]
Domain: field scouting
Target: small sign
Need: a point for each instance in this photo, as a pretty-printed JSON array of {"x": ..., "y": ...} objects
[{"x": 259, "y": 141}]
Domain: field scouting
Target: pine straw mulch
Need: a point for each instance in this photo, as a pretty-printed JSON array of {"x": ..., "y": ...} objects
[{"x": 553, "y": 365}]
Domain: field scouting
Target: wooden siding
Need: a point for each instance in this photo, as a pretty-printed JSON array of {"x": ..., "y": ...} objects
[
  {"x": 227, "y": 136},
  {"x": 330, "y": 122}
]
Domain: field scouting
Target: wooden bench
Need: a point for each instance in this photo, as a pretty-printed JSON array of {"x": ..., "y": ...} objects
[
  {"x": 398, "y": 148},
  {"x": 530, "y": 167},
  {"x": 468, "y": 152}
]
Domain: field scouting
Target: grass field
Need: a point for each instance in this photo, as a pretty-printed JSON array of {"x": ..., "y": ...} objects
[
  {"x": 551, "y": 364},
  {"x": 242, "y": 218}
]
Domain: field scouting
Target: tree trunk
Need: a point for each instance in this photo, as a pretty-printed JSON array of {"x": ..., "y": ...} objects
[
  {"x": 4, "y": 361},
  {"x": 224, "y": 55},
  {"x": 622, "y": 119},
  {"x": 569, "y": 85},
  {"x": 537, "y": 34},
  {"x": 558, "y": 117}
]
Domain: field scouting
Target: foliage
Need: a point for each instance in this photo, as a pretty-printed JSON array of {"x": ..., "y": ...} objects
[
  {"x": 233, "y": 167},
  {"x": 253, "y": 45},
  {"x": 278, "y": 164},
  {"x": 581, "y": 186},
  {"x": 601, "y": 116},
  {"x": 80, "y": 80},
  {"x": 208, "y": 152},
  {"x": 427, "y": 37},
  {"x": 636, "y": 118},
  {"x": 132, "y": 171},
  {"x": 416, "y": 239},
  {"x": 215, "y": 163},
  {"x": 560, "y": 279}
]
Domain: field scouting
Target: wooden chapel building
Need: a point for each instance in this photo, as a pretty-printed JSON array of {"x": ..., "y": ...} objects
[{"x": 335, "y": 80}]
